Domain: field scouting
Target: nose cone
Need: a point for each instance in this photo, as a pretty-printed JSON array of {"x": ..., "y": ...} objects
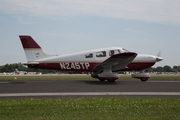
[{"x": 159, "y": 59}]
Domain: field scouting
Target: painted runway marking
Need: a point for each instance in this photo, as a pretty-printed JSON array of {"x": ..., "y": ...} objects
[
  {"x": 90, "y": 94},
  {"x": 81, "y": 81},
  {"x": 163, "y": 81},
  {"x": 4, "y": 82}
]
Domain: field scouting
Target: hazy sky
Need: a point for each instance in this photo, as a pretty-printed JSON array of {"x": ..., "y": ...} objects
[{"x": 68, "y": 26}]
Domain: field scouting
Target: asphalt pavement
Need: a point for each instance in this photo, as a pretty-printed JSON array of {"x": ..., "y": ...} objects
[{"x": 79, "y": 89}]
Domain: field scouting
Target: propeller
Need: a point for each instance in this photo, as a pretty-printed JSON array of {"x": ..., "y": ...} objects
[
  {"x": 159, "y": 58},
  {"x": 159, "y": 54}
]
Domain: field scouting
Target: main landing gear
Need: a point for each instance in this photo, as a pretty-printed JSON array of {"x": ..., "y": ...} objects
[
  {"x": 109, "y": 76},
  {"x": 100, "y": 79}
]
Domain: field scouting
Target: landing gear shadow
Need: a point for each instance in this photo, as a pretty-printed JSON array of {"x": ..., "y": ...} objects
[
  {"x": 16, "y": 82},
  {"x": 101, "y": 82}
]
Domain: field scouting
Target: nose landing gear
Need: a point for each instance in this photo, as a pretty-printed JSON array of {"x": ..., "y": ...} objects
[
  {"x": 142, "y": 76},
  {"x": 144, "y": 79}
]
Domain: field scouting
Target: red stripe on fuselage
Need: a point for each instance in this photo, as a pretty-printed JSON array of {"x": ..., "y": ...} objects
[
  {"x": 67, "y": 67},
  {"x": 89, "y": 68}
]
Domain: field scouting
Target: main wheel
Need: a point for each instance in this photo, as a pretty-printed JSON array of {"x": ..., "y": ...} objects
[
  {"x": 101, "y": 79},
  {"x": 111, "y": 80},
  {"x": 144, "y": 79}
]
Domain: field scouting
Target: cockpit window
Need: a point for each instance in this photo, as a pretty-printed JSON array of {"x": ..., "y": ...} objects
[
  {"x": 90, "y": 55},
  {"x": 101, "y": 54},
  {"x": 113, "y": 52},
  {"x": 125, "y": 50}
]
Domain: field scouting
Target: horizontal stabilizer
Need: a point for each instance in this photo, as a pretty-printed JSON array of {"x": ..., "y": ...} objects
[{"x": 33, "y": 63}]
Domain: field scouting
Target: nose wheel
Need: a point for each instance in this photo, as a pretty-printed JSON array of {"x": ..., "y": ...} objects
[
  {"x": 142, "y": 76},
  {"x": 144, "y": 79}
]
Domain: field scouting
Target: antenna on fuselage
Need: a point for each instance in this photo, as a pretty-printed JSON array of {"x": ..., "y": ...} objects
[
  {"x": 80, "y": 50},
  {"x": 56, "y": 52}
]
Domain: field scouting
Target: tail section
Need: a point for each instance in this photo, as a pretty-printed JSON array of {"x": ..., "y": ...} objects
[{"x": 32, "y": 50}]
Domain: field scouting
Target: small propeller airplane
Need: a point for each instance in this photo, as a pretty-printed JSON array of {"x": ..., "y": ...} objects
[{"x": 102, "y": 63}]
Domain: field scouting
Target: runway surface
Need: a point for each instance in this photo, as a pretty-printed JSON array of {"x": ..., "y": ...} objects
[{"x": 74, "y": 89}]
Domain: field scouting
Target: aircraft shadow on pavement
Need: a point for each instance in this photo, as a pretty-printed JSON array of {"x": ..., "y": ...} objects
[
  {"x": 100, "y": 83},
  {"x": 17, "y": 82}
]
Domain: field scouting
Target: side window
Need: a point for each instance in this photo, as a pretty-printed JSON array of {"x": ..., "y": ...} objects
[
  {"x": 90, "y": 55},
  {"x": 101, "y": 54},
  {"x": 113, "y": 52}
]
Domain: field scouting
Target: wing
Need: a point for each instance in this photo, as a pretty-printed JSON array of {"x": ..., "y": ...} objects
[{"x": 116, "y": 62}]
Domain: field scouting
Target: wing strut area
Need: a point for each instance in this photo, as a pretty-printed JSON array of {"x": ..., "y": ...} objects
[{"x": 115, "y": 63}]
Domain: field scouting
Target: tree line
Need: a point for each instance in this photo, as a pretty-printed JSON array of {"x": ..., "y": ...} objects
[
  {"x": 166, "y": 68},
  {"x": 21, "y": 67}
]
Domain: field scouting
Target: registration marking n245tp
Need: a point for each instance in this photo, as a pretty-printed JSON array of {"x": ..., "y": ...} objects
[{"x": 75, "y": 66}]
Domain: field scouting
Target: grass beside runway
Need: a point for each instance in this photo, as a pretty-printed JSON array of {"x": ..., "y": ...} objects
[
  {"x": 86, "y": 108},
  {"x": 79, "y": 77}
]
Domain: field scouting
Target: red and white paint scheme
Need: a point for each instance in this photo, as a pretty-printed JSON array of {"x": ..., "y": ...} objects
[{"x": 103, "y": 63}]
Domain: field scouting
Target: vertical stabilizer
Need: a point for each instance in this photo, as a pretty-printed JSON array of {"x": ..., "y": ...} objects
[{"x": 32, "y": 50}]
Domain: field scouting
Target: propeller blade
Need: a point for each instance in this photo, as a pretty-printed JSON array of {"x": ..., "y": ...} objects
[{"x": 159, "y": 54}]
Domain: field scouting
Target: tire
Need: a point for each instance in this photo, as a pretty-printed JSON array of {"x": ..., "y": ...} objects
[
  {"x": 111, "y": 80},
  {"x": 144, "y": 79}
]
